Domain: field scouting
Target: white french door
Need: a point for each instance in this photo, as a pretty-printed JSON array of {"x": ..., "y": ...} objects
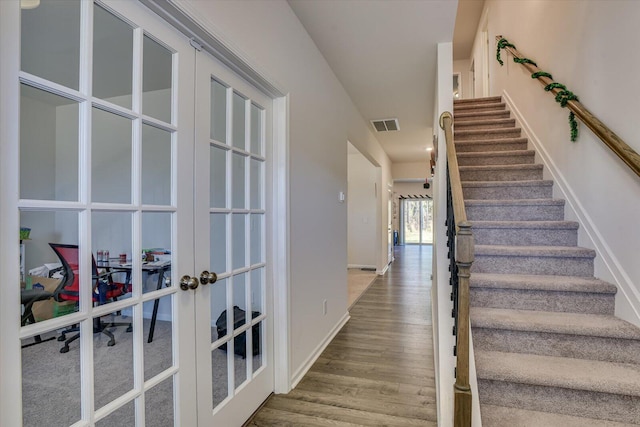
[
  {"x": 99, "y": 153},
  {"x": 234, "y": 320}
]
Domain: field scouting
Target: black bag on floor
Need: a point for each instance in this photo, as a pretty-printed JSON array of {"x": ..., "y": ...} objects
[{"x": 239, "y": 342}]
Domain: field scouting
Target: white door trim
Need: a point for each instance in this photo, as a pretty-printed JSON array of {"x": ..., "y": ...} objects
[
  {"x": 184, "y": 18},
  {"x": 10, "y": 399}
]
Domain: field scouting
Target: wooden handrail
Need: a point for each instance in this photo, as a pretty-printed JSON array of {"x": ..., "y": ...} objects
[
  {"x": 464, "y": 255},
  {"x": 627, "y": 154},
  {"x": 446, "y": 124}
]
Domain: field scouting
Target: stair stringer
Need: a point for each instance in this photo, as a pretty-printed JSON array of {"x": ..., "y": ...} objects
[{"x": 607, "y": 267}]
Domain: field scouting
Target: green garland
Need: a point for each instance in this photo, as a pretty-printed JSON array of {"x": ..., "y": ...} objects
[
  {"x": 574, "y": 126},
  {"x": 562, "y": 97},
  {"x": 541, "y": 74},
  {"x": 554, "y": 85},
  {"x": 524, "y": 61},
  {"x": 502, "y": 43}
]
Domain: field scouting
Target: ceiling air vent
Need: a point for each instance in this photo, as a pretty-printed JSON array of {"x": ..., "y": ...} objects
[{"x": 385, "y": 125}]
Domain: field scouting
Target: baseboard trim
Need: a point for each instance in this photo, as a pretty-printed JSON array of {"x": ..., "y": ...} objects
[
  {"x": 301, "y": 372},
  {"x": 383, "y": 271},
  {"x": 630, "y": 296},
  {"x": 372, "y": 267}
]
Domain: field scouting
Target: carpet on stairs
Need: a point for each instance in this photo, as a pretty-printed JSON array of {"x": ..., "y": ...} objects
[{"x": 549, "y": 350}]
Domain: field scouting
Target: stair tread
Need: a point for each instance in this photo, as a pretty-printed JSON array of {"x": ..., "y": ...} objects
[
  {"x": 541, "y": 282},
  {"x": 466, "y": 123},
  {"x": 513, "y": 202},
  {"x": 592, "y": 325},
  {"x": 478, "y": 105},
  {"x": 463, "y": 116},
  {"x": 540, "y": 251},
  {"x": 503, "y": 416},
  {"x": 563, "y": 372},
  {"x": 527, "y": 183},
  {"x": 555, "y": 225},
  {"x": 496, "y": 98},
  {"x": 510, "y": 153},
  {"x": 500, "y": 167},
  {"x": 485, "y": 130},
  {"x": 493, "y": 141}
]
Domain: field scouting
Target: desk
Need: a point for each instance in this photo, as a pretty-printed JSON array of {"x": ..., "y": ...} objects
[{"x": 159, "y": 268}]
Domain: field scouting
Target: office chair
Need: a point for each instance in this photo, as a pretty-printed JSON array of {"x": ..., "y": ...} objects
[
  {"x": 28, "y": 297},
  {"x": 103, "y": 289}
]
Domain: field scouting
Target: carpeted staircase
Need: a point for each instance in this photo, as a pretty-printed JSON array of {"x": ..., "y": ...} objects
[{"x": 548, "y": 349}]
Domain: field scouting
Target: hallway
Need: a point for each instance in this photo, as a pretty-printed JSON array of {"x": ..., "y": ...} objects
[{"x": 379, "y": 368}]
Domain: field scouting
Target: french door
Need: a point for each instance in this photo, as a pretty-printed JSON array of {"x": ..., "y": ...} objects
[
  {"x": 234, "y": 321},
  {"x": 99, "y": 153}
]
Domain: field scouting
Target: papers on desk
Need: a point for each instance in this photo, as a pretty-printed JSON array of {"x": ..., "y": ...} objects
[{"x": 159, "y": 263}]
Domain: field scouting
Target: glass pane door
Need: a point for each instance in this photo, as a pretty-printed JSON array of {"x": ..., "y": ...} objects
[
  {"x": 233, "y": 316},
  {"x": 103, "y": 147},
  {"x": 417, "y": 221}
]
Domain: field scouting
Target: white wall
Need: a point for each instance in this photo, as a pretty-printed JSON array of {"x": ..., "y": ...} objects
[
  {"x": 593, "y": 54},
  {"x": 410, "y": 170},
  {"x": 362, "y": 200},
  {"x": 321, "y": 118}
]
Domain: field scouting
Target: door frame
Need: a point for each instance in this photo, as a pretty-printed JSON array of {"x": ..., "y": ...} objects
[{"x": 186, "y": 20}]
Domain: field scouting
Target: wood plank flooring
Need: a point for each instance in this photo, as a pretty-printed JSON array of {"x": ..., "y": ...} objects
[{"x": 378, "y": 371}]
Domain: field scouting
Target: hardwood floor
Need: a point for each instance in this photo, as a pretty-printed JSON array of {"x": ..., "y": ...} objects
[
  {"x": 378, "y": 371},
  {"x": 358, "y": 281}
]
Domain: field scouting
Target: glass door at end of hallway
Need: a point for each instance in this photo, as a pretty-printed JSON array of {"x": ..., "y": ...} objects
[
  {"x": 417, "y": 221},
  {"x": 233, "y": 326}
]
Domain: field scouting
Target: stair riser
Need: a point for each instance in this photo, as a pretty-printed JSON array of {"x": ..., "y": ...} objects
[
  {"x": 580, "y": 403},
  {"x": 515, "y": 213},
  {"x": 560, "y": 345},
  {"x": 497, "y": 146},
  {"x": 482, "y": 135},
  {"x": 519, "y": 299},
  {"x": 525, "y": 237},
  {"x": 526, "y": 159},
  {"x": 506, "y": 193},
  {"x": 488, "y": 115},
  {"x": 501, "y": 175},
  {"x": 483, "y": 124},
  {"x": 558, "y": 266},
  {"x": 478, "y": 107}
]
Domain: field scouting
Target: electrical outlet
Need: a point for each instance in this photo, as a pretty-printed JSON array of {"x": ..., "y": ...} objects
[{"x": 324, "y": 307}]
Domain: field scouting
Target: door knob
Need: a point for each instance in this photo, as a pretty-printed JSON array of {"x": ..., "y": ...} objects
[
  {"x": 188, "y": 282},
  {"x": 206, "y": 277}
]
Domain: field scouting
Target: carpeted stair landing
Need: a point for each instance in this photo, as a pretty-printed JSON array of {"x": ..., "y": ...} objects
[{"x": 548, "y": 349}]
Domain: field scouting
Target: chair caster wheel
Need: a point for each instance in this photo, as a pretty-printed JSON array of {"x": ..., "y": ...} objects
[
  {"x": 62, "y": 337},
  {"x": 64, "y": 349},
  {"x": 111, "y": 343}
]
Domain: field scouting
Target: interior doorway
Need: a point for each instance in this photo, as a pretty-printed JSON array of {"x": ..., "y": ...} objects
[{"x": 417, "y": 221}]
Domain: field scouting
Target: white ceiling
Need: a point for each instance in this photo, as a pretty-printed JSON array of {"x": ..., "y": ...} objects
[
  {"x": 469, "y": 12},
  {"x": 384, "y": 54}
]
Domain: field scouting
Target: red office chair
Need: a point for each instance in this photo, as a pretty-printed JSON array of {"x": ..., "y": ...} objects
[{"x": 103, "y": 286}]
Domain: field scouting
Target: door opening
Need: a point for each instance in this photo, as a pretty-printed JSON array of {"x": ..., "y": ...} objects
[{"x": 417, "y": 221}]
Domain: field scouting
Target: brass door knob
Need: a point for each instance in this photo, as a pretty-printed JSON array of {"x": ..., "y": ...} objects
[
  {"x": 206, "y": 277},
  {"x": 188, "y": 282}
]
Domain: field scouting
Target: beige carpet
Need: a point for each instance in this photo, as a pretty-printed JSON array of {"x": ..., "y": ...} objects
[{"x": 357, "y": 282}]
